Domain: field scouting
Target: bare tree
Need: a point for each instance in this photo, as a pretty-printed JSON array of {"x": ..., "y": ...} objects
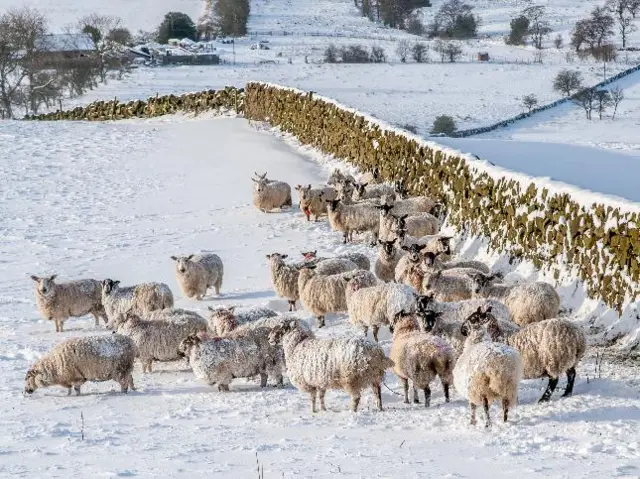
[
  {"x": 558, "y": 41},
  {"x": 403, "y": 50},
  {"x": 585, "y": 99},
  {"x": 567, "y": 81},
  {"x": 419, "y": 51},
  {"x": 617, "y": 95},
  {"x": 99, "y": 27},
  {"x": 453, "y": 51},
  {"x": 538, "y": 27},
  {"x": 622, "y": 13},
  {"x": 634, "y": 7},
  {"x": 602, "y": 101},
  {"x": 529, "y": 102}
]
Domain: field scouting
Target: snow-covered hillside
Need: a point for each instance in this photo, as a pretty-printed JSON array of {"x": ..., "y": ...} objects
[{"x": 116, "y": 200}]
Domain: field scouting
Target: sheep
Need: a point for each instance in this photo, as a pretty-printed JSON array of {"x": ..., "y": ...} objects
[
  {"x": 59, "y": 301},
  {"x": 173, "y": 314},
  {"x": 158, "y": 340},
  {"x": 388, "y": 258},
  {"x": 376, "y": 306},
  {"x": 453, "y": 314},
  {"x": 409, "y": 206},
  {"x": 487, "y": 371},
  {"x": 439, "y": 263},
  {"x": 329, "y": 267},
  {"x": 448, "y": 286},
  {"x": 437, "y": 244},
  {"x": 220, "y": 360},
  {"x": 419, "y": 225},
  {"x": 312, "y": 200},
  {"x": 326, "y": 294},
  {"x": 138, "y": 299},
  {"x": 224, "y": 320},
  {"x": 336, "y": 177},
  {"x": 528, "y": 303},
  {"x": 408, "y": 267},
  {"x": 420, "y": 357},
  {"x": 284, "y": 278},
  {"x": 371, "y": 177},
  {"x": 197, "y": 273},
  {"x": 430, "y": 266},
  {"x": 364, "y": 191},
  {"x": 359, "y": 259},
  {"x": 315, "y": 365},
  {"x": 269, "y": 195},
  {"x": 353, "y": 218},
  {"x": 550, "y": 348},
  {"x": 75, "y": 361}
]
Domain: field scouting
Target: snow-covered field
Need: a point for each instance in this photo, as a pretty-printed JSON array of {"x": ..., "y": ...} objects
[{"x": 116, "y": 200}]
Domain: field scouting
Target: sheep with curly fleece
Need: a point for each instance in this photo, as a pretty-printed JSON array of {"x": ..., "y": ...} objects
[
  {"x": 349, "y": 219},
  {"x": 316, "y": 365},
  {"x": 269, "y": 195},
  {"x": 388, "y": 258},
  {"x": 197, "y": 273},
  {"x": 75, "y": 361},
  {"x": 224, "y": 320},
  {"x": 58, "y": 302},
  {"x": 141, "y": 298},
  {"x": 336, "y": 177},
  {"x": 313, "y": 200},
  {"x": 284, "y": 278},
  {"x": 359, "y": 259},
  {"x": 364, "y": 191}
]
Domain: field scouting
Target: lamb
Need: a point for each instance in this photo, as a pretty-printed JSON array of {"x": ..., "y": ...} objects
[
  {"x": 220, "y": 360},
  {"x": 549, "y": 348},
  {"x": 138, "y": 299},
  {"x": 359, "y": 259},
  {"x": 378, "y": 305},
  {"x": 197, "y": 273},
  {"x": 487, "y": 371},
  {"x": 315, "y": 365},
  {"x": 336, "y": 177},
  {"x": 313, "y": 200},
  {"x": 419, "y": 225},
  {"x": 353, "y": 218},
  {"x": 75, "y": 361},
  {"x": 269, "y": 195},
  {"x": 158, "y": 340},
  {"x": 326, "y": 294},
  {"x": 364, "y": 191},
  {"x": 453, "y": 314},
  {"x": 224, "y": 320},
  {"x": 528, "y": 303},
  {"x": 59, "y": 301},
  {"x": 420, "y": 357},
  {"x": 284, "y": 278},
  {"x": 388, "y": 258}
]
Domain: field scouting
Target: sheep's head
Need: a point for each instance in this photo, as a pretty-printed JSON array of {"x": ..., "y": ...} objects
[
  {"x": 400, "y": 222},
  {"x": 304, "y": 192},
  {"x": 388, "y": 247},
  {"x": 400, "y": 189},
  {"x": 444, "y": 245},
  {"x": 438, "y": 210},
  {"x": 109, "y": 285},
  {"x": 424, "y": 302},
  {"x": 280, "y": 331},
  {"x": 183, "y": 263},
  {"x": 260, "y": 181},
  {"x": 403, "y": 321},
  {"x": 45, "y": 286},
  {"x": 429, "y": 259},
  {"x": 120, "y": 319},
  {"x": 414, "y": 251},
  {"x": 225, "y": 319},
  {"x": 476, "y": 321},
  {"x": 35, "y": 379},
  {"x": 332, "y": 205},
  {"x": 277, "y": 258},
  {"x": 309, "y": 255},
  {"x": 480, "y": 281},
  {"x": 429, "y": 318},
  {"x": 384, "y": 209},
  {"x": 344, "y": 190},
  {"x": 359, "y": 190},
  {"x": 187, "y": 344}
]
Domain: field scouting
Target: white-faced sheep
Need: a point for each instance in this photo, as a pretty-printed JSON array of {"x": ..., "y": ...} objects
[
  {"x": 409, "y": 206},
  {"x": 388, "y": 258},
  {"x": 377, "y": 305},
  {"x": 364, "y": 191},
  {"x": 359, "y": 259},
  {"x": 316, "y": 365},
  {"x": 137, "y": 299},
  {"x": 75, "y": 361},
  {"x": 59, "y": 301},
  {"x": 158, "y": 340},
  {"x": 327, "y": 294},
  {"x": 197, "y": 273},
  {"x": 313, "y": 200},
  {"x": 418, "y": 225},
  {"x": 549, "y": 348},
  {"x": 284, "y": 278},
  {"x": 420, "y": 357},
  {"x": 349, "y": 219},
  {"x": 269, "y": 195},
  {"x": 408, "y": 270},
  {"x": 528, "y": 302},
  {"x": 225, "y": 320},
  {"x": 486, "y": 372}
]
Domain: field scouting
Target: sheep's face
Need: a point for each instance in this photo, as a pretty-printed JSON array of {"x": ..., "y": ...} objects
[
  {"x": 277, "y": 258},
  {"x": 424, "y": 302},
  {"x": 187, "y": 344},
  {"x": 388, "y": 247},
  {"x": 225, "y": 319},
  {"x": 109, "y": 285},
  {"x": 414, "y": 252},
  {"x": 359, "y": 191},
  {"x": 344, "y": 190},
  {"x": 444, "y": 246},
  {"x": 183, "y": 263},
  {"x": 332, "y": 205},
  {"x": 304, "y": 192},
  {"x": 34, "y": 380},
  {"x": 429, "y": 318},
  {"x": 45, "y": 286},
  {"x": 260, "y": 185},
  {"x": 429, "y": 259},
  {"x": 309, "y": 255},
  {"x": 480, "y": 281},
  {"x": 279, "y": 332},
  {"x": 384, "y": 210},
  {"x": 399, "y": 222}
]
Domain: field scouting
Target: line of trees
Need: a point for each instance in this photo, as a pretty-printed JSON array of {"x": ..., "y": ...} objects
[
  {"x": 569, "y": 83},
  {"x": 393, "y": 13}
]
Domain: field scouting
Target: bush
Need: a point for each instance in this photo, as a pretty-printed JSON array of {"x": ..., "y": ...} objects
[
  {"x": 176, "y": 25},
  {"x": 529, "y": 102},
  {"x": 443, "y": 124},
  {"x": 558, "y": 41},
  {"x": 604, "y": 53},
  {"x": 402, "y": 50},
  {"x": 354, "y": 54},
  {"x": 331, "y": 54},
  {"x": 567, "y": 81},
  {"x": 447, "y": 50},
  {"x": 410, "y": 128},
  {"x": 378, "y": 55},
  {"x": 419, "y": 51},
  {"x": 518, "y": 32}
]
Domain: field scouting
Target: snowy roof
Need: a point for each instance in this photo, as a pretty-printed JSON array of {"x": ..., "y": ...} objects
[{"x": 65, "y": 42}]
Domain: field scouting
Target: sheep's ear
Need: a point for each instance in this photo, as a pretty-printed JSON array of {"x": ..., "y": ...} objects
[
  {"x": 285, "y": 256},
  {"x": 190, "y": 257},
  {"x": 404, "y": 217},
  {"x": 488, "y": 310},
  {"x": 35, "y": 278},
  {"x": 210, "y": 308},
  {"x": 421, "y": 247},
  {"x": 299, "y": 187},
  {"x": 52, "y": 277},
  {"x": 174, "y": 258},
  {"x": 479, "y": 310},
  {"x": 268, "y": 256},
  {"x": 364, "y": 185},
  {"x": 116, "y": 283},
  {"x": 232, "y": 308}
]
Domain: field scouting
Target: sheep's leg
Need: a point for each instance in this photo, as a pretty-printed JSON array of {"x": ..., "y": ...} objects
[
  {"x": 130, "y": 382},
  {"x": 553, "y": 382},
  {"x": 355, "y": 401},
  {"x": 405, "y": 385},
  {"x": 505, "y": 409},
  {"x": 472, "y": 409},
  {"x": 427, "y": 396},
  {"x": 485, "y": 406},
  {"x": 571, "y": 379},
  {"x": 365, "y": 330},
  {"x": 263, "y": 380},
  {"x": 344, "y": 237},
  {"x": 124, "y": 385},
  {"x": 279, "y": 381},
  {"x": 59, "y": 325},
  {"x": 223, "y": 388},
  {"x": 416, "y": 398},
  {"x": 69, "y": 391},
  {"x": 375, "y": 332},
  {"x": 320, "y": 322},
  {"x": 321, "y": 393},
  {"x": 312, "y": 397},
  {"x": 445, "y": 387},
  {"x": 97, "y": 320},
  {"x": 292, "y": 305},
  {"x": 377, "y": 393}
]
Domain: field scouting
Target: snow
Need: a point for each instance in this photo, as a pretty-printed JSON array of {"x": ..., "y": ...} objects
[{"x": 117, "y": 200}]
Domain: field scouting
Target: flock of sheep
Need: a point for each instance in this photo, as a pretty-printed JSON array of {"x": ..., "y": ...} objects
[{"x": 450, "y": 319}]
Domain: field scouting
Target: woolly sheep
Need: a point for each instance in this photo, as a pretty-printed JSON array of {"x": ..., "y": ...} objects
[
  {"x": 448, "y": 286},
  {"x": 284, "y": 278},
  {"x": 172, "y": 314},
  {"x": 158, "y": 340},
  {"x": 59, "y": 301},
  {"x": 528, "y": 302},
  {"x": 333, "y": 266},
  {"x": 197, "y": 273},
  {"x": 409, "y": 206},
  {"x": 377, "y": 305},
  {"x": 75, "y": 361},
  {"x": 327, "y": 294},
  {"x": 420, "y": 357},
  {"x": 370, "y": 177},
  {"x": 313, "y": 200},
  {"x": 269, "y": 195},
  {"x": 220, "y": 360},
  {"x": 549, "y": 348},
  {"x": 364, "y": 191},
  {"x": 358, "y": 258},
  {"x": 138, "y": 299},
  {"x": 487, "y": 371},
  {"x": 338, "y": 176},
  {"x": 353, "y": 218},
  {"x": 224, "y": 320},
  {"x": 408, "y": 269},
  {"x": 315, "y": 365},
  {"x": 388, "y": 258},
  {"x": 419, "y": 225}
]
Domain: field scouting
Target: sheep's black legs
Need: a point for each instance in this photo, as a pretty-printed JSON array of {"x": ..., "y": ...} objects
[
  {"x": 553, "y": 382},
  {"x": 485, "y": 405},
  {"x": 571, "y": 379}
]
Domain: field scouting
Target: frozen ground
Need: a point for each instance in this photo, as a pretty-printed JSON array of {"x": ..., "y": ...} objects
[{"x": 116, "y": 200}]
